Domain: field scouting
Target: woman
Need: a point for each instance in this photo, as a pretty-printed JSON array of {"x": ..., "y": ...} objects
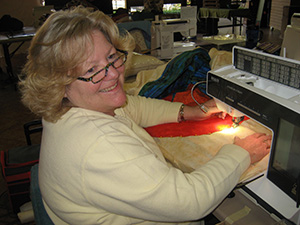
[
  {"x": 154, "y": 6},
  {"x": 97, "y": 164}
]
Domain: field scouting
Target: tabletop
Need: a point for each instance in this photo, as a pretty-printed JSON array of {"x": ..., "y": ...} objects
[
  {"x": 17, "y": 36},
  {"x": 223, "y": 13}
]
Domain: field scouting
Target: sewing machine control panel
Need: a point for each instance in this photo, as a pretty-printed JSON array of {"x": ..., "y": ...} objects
[
  {"x": 240, "y": 98},
  {"x": 285, "y": 71}
]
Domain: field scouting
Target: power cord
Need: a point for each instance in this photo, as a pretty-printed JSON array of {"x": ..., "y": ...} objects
[{"x": 201, "y": 106}]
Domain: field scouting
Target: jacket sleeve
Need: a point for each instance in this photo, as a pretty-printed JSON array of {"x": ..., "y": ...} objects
[
  {"x": 149, "y": 112},
  {"x": 132, "y": 182}
]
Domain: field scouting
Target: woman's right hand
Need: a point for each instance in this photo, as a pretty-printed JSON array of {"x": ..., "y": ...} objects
[{"x": 258, "y": 145}]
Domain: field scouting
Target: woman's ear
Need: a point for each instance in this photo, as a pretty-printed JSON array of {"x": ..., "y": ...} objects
[{"x": 66, "y": 90}]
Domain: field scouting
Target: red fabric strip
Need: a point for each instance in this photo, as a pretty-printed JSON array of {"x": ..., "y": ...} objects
[{"x": 190, "y": 128}]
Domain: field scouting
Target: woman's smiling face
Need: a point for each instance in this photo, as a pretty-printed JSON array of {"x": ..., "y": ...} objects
[{"x": 108, "y": 94}]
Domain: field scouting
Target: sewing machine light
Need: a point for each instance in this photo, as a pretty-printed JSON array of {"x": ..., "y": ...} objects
[
  {"x": 228, "y": 109},
  {"x": 237, "y": 116},
  {"x": 224, "y": 129}
]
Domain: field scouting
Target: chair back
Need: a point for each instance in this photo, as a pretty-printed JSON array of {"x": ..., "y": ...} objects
[{"x": 31, "y": 128}]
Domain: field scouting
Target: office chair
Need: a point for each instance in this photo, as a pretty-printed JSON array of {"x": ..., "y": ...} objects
[
  {"x": 32, "y": 127},
  {"x": 16, "y": 164}
]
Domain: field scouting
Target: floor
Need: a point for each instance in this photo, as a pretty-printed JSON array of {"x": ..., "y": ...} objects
[{"x": 14, "y": 115}]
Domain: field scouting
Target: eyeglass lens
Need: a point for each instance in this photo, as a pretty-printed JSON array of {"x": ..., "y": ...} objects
[{"x": 117, "y": 63}]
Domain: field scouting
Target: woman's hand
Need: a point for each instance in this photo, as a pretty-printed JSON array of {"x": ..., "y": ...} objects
[
  {"x": 195, "y": 113},
  {"x": 213, "y": 110},
  {"x": 258, "y": 145}
]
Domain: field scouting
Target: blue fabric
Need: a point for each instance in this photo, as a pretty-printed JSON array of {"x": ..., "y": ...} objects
[
  {"x": 187, "y": 68},
  {"x": 40, "y": 215}
]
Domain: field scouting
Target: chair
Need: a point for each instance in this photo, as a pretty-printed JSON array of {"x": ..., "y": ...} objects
[
  {"x": 31, "y": 128},
  {"x": 40, "y": 215},
  {"x": 16, "y": 164}
]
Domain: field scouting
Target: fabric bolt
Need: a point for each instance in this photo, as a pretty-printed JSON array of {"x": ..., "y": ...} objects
[{"x": 187, "y": 68}]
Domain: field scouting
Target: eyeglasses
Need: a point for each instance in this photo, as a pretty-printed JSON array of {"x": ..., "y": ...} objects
[{"x": 102, "y": 73}]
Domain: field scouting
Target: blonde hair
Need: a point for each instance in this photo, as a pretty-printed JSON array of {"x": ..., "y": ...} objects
[{"x": 58, "y": 48}]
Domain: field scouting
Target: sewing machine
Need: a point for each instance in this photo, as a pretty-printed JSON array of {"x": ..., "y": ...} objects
[
  {"x": 162, "y": 34},
  {"x": 290, "y": 44},
  {"x": 266, "y": 88}
]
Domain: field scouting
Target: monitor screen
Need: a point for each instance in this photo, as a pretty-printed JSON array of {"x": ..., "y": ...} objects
[
  {"x": 284, "y": 169},
  {"x": 287, "y": 150}
]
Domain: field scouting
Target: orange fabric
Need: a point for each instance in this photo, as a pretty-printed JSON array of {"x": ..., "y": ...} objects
[{"x": 190, "y": 128}]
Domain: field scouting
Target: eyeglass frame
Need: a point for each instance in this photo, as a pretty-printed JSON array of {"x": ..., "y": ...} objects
[{"x": 106, "y": 68}]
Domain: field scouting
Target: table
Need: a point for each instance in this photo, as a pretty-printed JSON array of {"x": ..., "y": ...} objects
[
  {"x": 216, "y": 13},
  {"x": 7, "y": 38},
  {"x": 239, "y": 209},
  {"x": 223, "y": 42}
]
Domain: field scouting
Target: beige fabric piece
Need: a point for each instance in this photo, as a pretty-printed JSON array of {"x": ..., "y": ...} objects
[
  {"x": 190, "y": 153},
  {"x": 140, "y": 62},
  {"x": 143, "y": 77},
  {"x": 219, "y": 58}
]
